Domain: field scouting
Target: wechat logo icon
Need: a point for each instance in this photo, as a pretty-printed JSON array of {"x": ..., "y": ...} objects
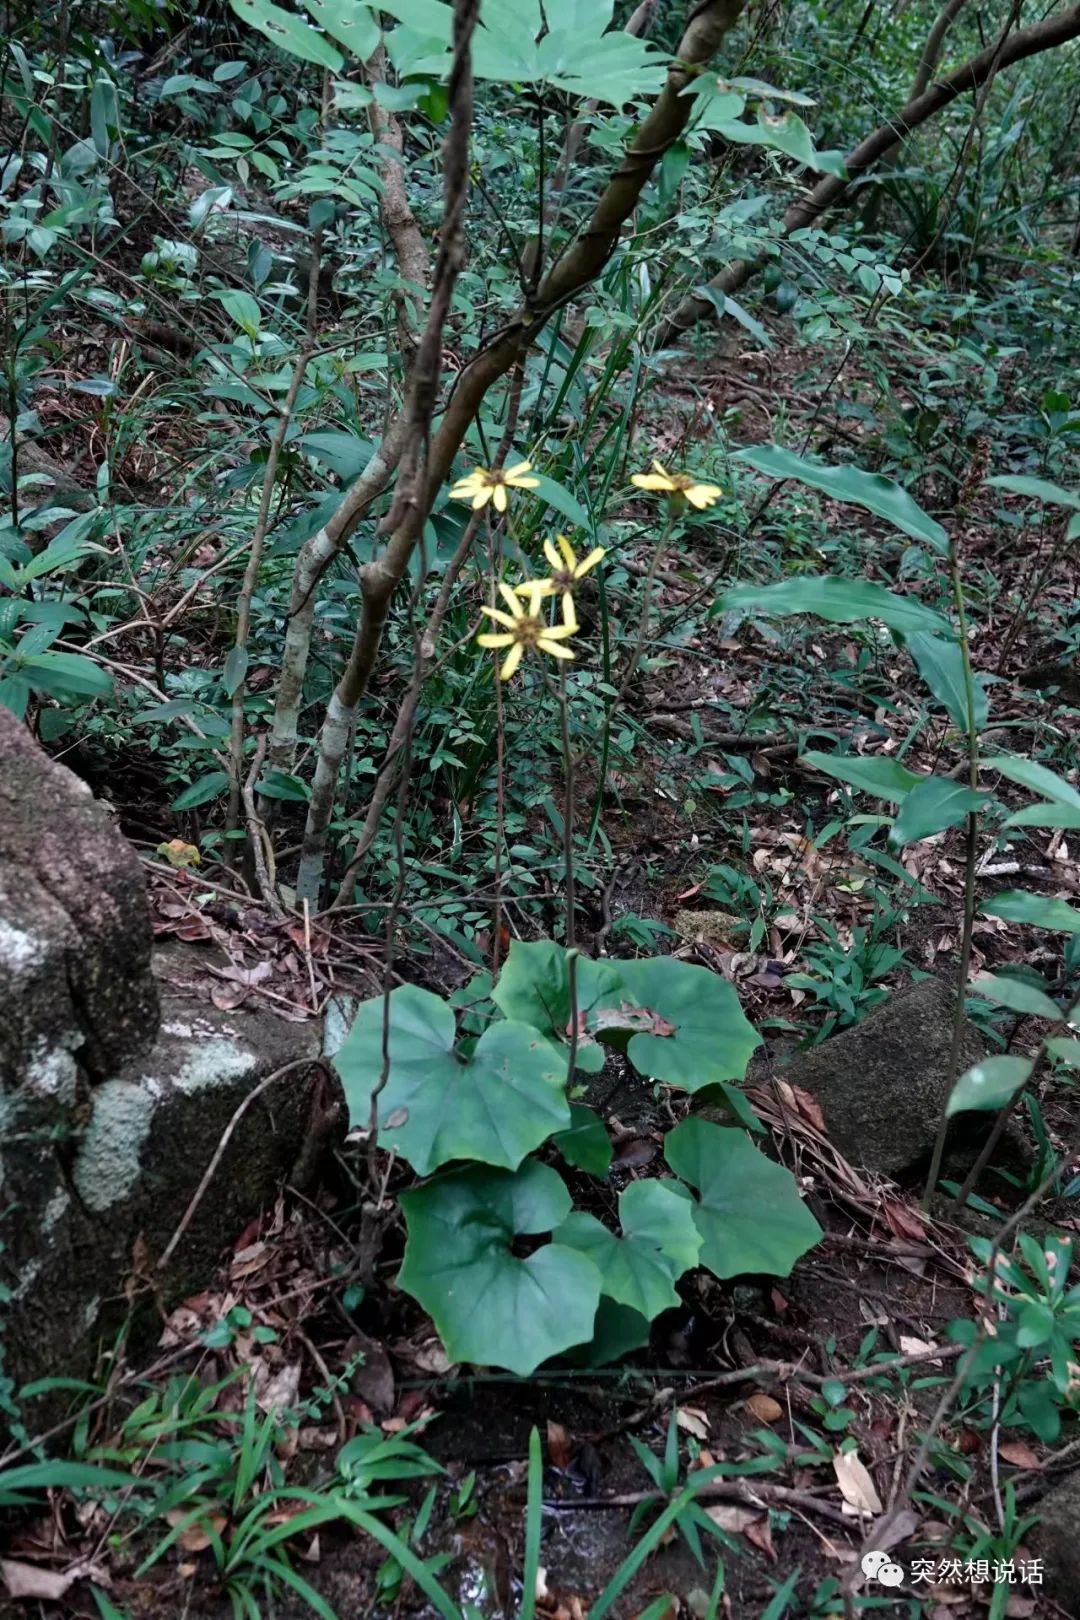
[{"x": 878, "y": 1566}]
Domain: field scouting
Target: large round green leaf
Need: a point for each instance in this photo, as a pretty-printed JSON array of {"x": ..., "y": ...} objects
[
  {"x": 534, "y": 988},
  {"x": 586, "y": 1145},
  {"x": 678, "y": 1023},
  {"x": 748, "y": 1210},
  {"x": 494, "y": 1106},
  {"x": 490, "y": 1306},
  {"x": 691, "y": 1030},
  {"x": 660, "y": 1241}
]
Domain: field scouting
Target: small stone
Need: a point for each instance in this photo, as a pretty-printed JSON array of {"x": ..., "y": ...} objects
[{"x": 883, "y": 1083}]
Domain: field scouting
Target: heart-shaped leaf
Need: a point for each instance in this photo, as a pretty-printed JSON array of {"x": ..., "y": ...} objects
[
  {"x": 660, "y": 1241},
  {"x": 748, "y": 1209},
  {"x": 690, "y": 1030},
  {"x": 495, "y": 1105},
  {"x": 534, "y": 988},
  {"x": 989, "y": 1084},
  {"x": 678, "y": 1023},
  {"x": 490, "y": 1306},
  {"x": 586, "y": 1145}
]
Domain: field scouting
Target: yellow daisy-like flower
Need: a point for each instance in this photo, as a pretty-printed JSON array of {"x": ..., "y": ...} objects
[
  {"x": 485, "y": 484},
  {"x": 523, "y": 628},
  {"x": 679, "y": 487},
  {"x": 567, "y": 570}
]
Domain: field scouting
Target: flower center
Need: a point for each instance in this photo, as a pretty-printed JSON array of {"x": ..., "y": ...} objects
[
  {"x": 529, "y": 630},
  {"x": 563, "y": 580}
]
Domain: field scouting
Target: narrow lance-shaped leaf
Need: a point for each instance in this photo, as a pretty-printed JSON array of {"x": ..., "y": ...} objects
[
  {"x": 882, "y": 776},
  {"x": 1041, "y": 911},
  {"x": 989, "y": 1084},
  {"x": 843, "y": 601},
  {"x": 941, "y": 665},
  {"x": 933, "y": 806},
  {"x": 1016, "y": 994},
  {"x": 1040, "y": 489},
  {"x": 1063, "y": 810},
  {"x": 871, "y": 491}
]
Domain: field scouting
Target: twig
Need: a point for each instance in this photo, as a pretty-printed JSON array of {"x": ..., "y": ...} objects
[
  {"x": 755, "y": 1496},
  {"x": 262, "y": 850}
]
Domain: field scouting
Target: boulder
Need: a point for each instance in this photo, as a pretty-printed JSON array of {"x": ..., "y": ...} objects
[
  {"x": 116, "y": 1091},
  {"x": 882, "y": 1084},
  {"x": 1056, "y": 1540}
]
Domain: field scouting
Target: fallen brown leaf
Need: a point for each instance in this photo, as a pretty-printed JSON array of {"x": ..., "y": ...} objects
[
  {"x": 1019, "y": 1453},
  {"x": 558, "y": 1444},
  {"x": 856, "y": 1486},
  {"x": 694, "y": 1421}
]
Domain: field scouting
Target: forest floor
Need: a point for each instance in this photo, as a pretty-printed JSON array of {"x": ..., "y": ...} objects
[{"x": 886, "y": 1279}]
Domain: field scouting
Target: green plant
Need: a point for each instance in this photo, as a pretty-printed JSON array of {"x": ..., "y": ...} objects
[
  {"x": 489, "y": 1104},
  {"x": 843, "y": 977},
  {"x": 665, "y": 1471},
  {"x": 1029, "y": 1357}
]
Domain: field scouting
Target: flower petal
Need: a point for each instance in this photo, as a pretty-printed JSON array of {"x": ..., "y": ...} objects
[
  {"x": 496, "y": 641},
  {"x": 569, "y": 612},
  {"x": 532, "y": 587},
  {"x": 502, "y": 618},
  {"x": 511, "y": 661},
  {"x": 653, "y": 481},
  {"x": 481, "y": 498},
  {"x": 498, "y": 496},
  {"x": 553, "y": 649},
  {"x": 510, "y": 599},
  {"x": 590, "y": 561},
  {"x": 702, "y": 495},
  {"x": 517, "y": 469},
  {"x": 559, "y": 632},
  {"x": 567, "y": 551},
  {"x": 552, "y": 555}
]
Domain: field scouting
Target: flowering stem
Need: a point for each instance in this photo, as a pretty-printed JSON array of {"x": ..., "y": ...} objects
[
  {"x": 646, "y": 609},
  {"x": 568, "y": 854},
  {"x": 631, "y": 670},
  {"x": 500, "y": 783}
]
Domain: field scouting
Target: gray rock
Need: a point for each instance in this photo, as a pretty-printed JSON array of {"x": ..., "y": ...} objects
[
  {"x": 93, "y": 1221},
  {"x": 883, "y": 1083},
  {"x": 75, "y": 936},
  {"x": 109, "y": 1114},
  {"x": 1056, "y": 1540}
]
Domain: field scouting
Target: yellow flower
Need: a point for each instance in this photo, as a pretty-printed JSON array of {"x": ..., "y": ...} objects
[
  {"x": 483, "y": 485},
  {"x": 524, "y": 628},
  {"x": 680, "y": 486},
  {"x": 566, "y": 572}
]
